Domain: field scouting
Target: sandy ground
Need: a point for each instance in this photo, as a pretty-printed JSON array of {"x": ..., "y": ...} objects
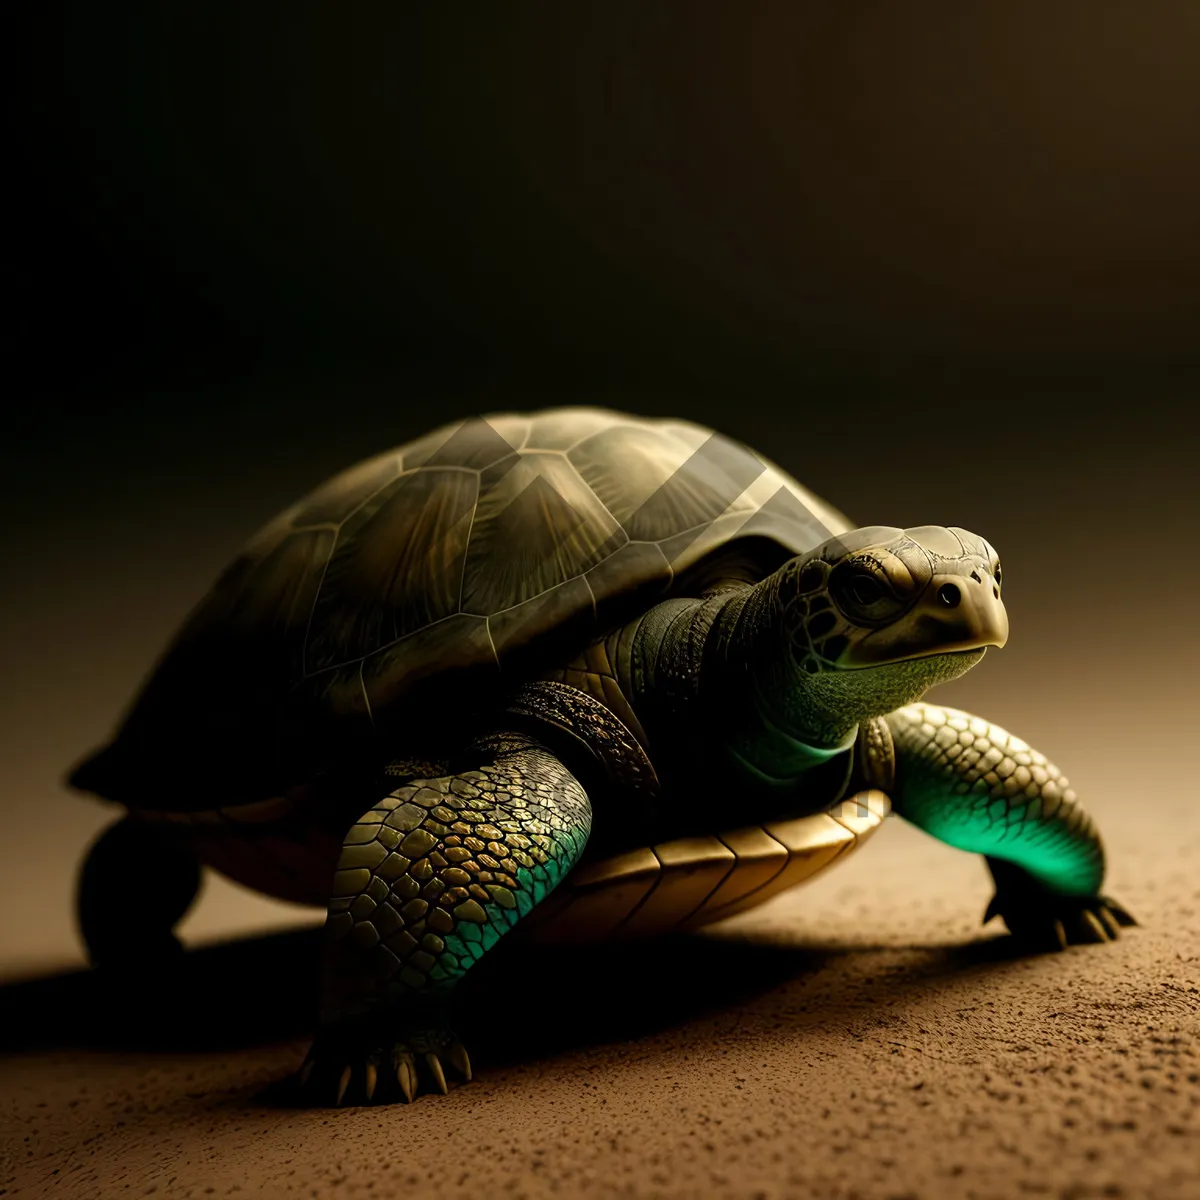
[{"x": 861, "y": 1037}]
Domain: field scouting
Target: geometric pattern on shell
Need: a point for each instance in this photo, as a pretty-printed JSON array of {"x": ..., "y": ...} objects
[{"x": 449, "y": 563}]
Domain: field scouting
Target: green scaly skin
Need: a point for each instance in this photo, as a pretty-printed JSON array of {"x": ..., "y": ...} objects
[
  {"x": 714, "y": 685},
  {"x": 428, "y": 880},
  {"x": 976, "y": 787}
]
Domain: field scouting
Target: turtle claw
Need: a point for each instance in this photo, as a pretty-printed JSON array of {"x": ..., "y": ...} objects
[
  {"x": 435, "y": 1069},
  {"x": 389, "y": 1067},
  {"x": 305, "y": 1073},
  {"x": 456, "y": 1052},
  {"x": 406, "y": 1078},
  {"x": 1051, "y": 922},
  {"x": 1118, "y": 912}
]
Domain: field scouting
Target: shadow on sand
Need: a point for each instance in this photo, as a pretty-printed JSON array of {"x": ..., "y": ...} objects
[{"x": 526, "y": 1001}]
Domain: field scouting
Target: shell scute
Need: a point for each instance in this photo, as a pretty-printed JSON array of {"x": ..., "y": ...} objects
[
  {"x": 400, "y": 559},
  {"x": 537, "y": 526},
  {"x": 563, "y": 428},
  {"x": 655, "y": 487},
  {"x": 391, "y": 672},
  {"x": 564, "y": 613},
  {"x": 473, "y": 445}
]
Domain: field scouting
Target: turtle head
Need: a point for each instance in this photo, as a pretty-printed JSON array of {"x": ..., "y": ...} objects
[
  {"x": 880, "y": 595},
  {"x": 876, "y": 616}
]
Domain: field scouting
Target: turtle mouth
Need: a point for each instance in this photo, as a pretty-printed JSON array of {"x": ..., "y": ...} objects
[{"x": 971, "y": 653}]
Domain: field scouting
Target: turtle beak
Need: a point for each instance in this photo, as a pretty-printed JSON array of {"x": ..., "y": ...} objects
[{"x": 959, "y": 611}]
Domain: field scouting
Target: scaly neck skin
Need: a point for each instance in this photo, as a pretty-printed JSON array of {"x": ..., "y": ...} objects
[
  {"x": 714, "y": 680},
  {"x": 717, "y": 671},
  {"x": 765, "y": 709}
]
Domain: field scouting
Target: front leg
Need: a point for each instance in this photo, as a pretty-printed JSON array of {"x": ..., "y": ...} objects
[
  {"x": 428, "y": 880},
  {"x": 976, "y": 787}
]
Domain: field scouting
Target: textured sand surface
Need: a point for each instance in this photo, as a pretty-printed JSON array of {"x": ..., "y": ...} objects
[{"x": 843, "y": 1042}]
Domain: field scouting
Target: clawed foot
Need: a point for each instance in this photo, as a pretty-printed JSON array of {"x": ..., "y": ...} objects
[
  {"x": 347, "y": 1066},
  {"x": 1047, "y": 921}
]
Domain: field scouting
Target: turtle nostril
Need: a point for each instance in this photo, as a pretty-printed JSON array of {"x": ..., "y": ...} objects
[{"x": 949, "y": 595}]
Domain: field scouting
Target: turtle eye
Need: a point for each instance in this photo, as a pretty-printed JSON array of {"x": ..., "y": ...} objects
[
  {"x": 867, "y": 594},
  {"x": 865, "y": 590},
  {"x": 862, "y": 592}
]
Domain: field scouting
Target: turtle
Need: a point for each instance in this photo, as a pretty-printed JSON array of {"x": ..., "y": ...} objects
[{"x": 563, "y": 676}]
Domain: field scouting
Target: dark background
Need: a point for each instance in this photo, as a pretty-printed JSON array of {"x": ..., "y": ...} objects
[{"x": 940, "y": 261}]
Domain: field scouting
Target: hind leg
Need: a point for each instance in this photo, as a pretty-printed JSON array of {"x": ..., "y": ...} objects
[{"x": 135, "y": 884}]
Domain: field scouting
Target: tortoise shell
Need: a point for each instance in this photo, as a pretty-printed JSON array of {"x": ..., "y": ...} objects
[{"x": 431, "y": 573}]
